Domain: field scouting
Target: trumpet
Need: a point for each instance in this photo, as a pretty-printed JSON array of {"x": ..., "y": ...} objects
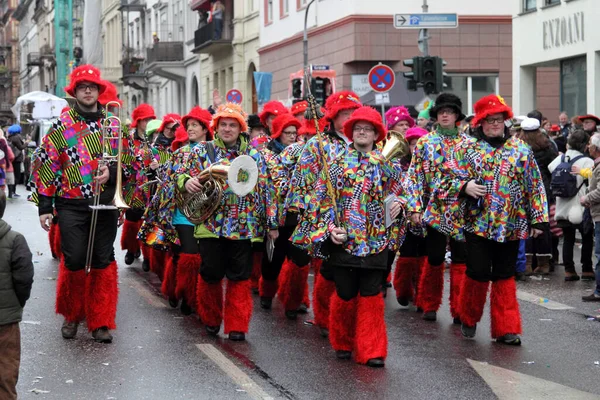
[{"x": 109, "y": 134}]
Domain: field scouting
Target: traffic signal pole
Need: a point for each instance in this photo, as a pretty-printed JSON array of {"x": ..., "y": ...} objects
[
  {"x": 423, "y": 38},
  {"x": 305, "y": 47}
]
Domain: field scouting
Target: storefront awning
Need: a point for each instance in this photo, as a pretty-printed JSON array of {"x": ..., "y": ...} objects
[{"x": 200, "y": 5}]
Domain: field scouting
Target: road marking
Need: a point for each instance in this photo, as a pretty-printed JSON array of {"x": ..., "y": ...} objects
[
  {"x": 511, "y": 385},
  {"x": 236, "y": 374},
  {"x": 541, "y": 301},
  {"x": 143, "y": 291}
]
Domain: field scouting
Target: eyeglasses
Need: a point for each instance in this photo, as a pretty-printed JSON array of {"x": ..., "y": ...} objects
[
  {"x": 84, "y": 87},
  {"x": 366, "y": 129},
  {"x": 446, "y": 111},
  {"x": 290, "y": 133},
  {"x": 493, "y": 121}
]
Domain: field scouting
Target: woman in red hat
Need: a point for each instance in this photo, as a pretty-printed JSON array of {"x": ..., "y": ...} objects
[
  {"x": 271, "y": 110},
  {"x": 497, "y": 198},
  {"x": 298, "y": 109},
  {"x": 357, "y": 258},
  {"x": 166, "y": 227}
]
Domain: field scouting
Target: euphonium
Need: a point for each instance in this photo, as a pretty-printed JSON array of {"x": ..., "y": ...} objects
[
  {"x": 395, "y": 146},
  {"x": 241, "y": 176}
]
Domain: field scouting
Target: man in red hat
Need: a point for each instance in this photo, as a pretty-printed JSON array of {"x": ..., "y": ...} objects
[
  {"x": 497, "y": 197},
  {"x": 307, "y": 176},
  {"x": 422, "y": 183},
  {"x": 590, "y": 123},
  {"x": 271, "y": 110},
  {"x": 298, "y": 109},
  {"x": 66, "y": 175}
]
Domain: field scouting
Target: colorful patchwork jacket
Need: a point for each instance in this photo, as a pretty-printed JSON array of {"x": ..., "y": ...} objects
[
  {"x": 67, "y": 160},
  {"x": 515, "y": 198},
  {"x": 359, "y": 180},
  {"x": 236, "y": 218},
  {"x": 425, "y": 175}
]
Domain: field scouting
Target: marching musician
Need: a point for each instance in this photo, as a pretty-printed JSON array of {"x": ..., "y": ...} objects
[
  {"x": 298, "y": 109},
  {"x": 225, "y": 237},
  {"x": 65, "y": 172},
  {"x": 270, "y": 111}
]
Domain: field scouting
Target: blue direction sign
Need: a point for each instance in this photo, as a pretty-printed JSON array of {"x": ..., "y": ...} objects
[
  {"x": 424, "y": 21},
  {"x": 381, "y": 78},
  {"x": 234, "y": 96}
]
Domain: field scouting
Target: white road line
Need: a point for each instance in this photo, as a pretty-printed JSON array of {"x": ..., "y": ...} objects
[
  {"x": 541, "y": 301},
  {"x": 236, "y": 374},
  {"x": 144, "y": 292},
  {"x": 512, "y": 385}
]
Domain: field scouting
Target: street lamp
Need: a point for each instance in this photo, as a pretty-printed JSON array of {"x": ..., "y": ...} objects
[{"x": 305, "y": 43}]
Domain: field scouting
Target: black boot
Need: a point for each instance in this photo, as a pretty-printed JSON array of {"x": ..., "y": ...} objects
[{"x": 11, "y": 190}]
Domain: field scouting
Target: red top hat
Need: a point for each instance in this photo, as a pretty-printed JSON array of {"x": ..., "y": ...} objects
[
  {"x": 272, "y": 107},
  {"x": 282, "y": 122},
  {"x": 143, "y": 111},
  {"x": 110, "y": 94},
  {"x": 299, "y": 108},
  {"x": 555, "y": 128},
  {"x": 85, "y": 73},
  {"x": 490, "y": 105},
  {"x": 181, "y": 138},
  {"x": 202, "y": 116},
  {"x": 367, "y": 114},
  {"x": 339, "y": 101},
  {"x": 169, "y": 118},
  {"x": 589, "y": 116}
]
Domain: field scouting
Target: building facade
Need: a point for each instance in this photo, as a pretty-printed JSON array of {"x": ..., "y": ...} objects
[
  {"x": 353, "y": 38},
  {"x": 559, "y": 35},
  {"x": 9, "y": 60}
]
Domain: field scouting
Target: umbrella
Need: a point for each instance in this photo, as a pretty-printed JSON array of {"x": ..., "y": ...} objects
[{"x": 46, "y": 105}]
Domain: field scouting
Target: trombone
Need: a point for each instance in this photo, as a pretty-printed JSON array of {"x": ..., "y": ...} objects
[{"x": 110, "y": 133}]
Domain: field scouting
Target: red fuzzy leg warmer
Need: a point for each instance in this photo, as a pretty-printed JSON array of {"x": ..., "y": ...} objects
[
  {"x": 209, "y": 298},
  {"x": 322, "y": 296},
  {"x": 316, "y": 263},
  {"x": 306, "y": 296},
  {"x": 54, "y": 239},
  {"x": 70, "y": 293},
  {"x": 238, "y": 306},
  {"x": 457, "y": 275},
  {"x": 472, "y": 300},
  {"x": 418, "y": 266},
  {"x": 129, "y": 239},
  {"x": 504, "y": 308},
  {"x": 431, "y": 287},
  {"x": 292, "y": 284},
  {"x": 371, "y": 334},
  {"x": 267, "y": 288},
  {"x": 147, "y": 252},
  {"x": 188, "y": 268},
  {"x": 403, "y": 277},
  {"x": 170, "y": 282},
  {"x": 256, "y": 268},
  {"x": 102, "y": 295},
  {"x": 158, "y": 259},
  {"x": 342, "y": 323}
]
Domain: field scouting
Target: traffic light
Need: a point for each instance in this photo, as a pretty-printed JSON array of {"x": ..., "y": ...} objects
[
  {"x": 414, "y": 76},
  {"x": 433, "y": 75},
  {"x": 320, "y": 88},
  {"x": 296, "y": 90}
]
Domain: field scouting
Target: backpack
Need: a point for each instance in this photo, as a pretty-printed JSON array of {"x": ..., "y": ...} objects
[{"x": 564, "y": 183}]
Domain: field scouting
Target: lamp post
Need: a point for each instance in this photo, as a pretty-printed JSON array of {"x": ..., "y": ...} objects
[{"x": 305, "y": 44}]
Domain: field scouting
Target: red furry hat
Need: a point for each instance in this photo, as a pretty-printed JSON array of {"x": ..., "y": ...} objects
[
  {"x": 143, "y": 111},
  {"x": 201, "y": 115},
  {"x": 308, "y": 126},
  {"x": 490, "y": 105},
  {"x": 85, "y": 73},
  {"x": 367, "y": 114},
  {"x": 282, "y": 122},
  {"x": 181, "y": 138},
  {"x": 339, "y": 101},
  {"x": 110, "y": 94},
  {"x": 299, "y": 107},
  {"x": 272, "y": 107},
  {"x": 169, "y": 118}
]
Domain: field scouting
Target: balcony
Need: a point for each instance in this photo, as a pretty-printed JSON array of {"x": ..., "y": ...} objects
[
  {"x": 165, "y": 59},
  {"x": 134, "y": 75},
  {"x": 133, "y": 5},
  {"x": 111, "y": 74},
  {"x": 206, "y": 41},
  {"x": 34, "y": 59},
  {"x": 47, "y": 53}
]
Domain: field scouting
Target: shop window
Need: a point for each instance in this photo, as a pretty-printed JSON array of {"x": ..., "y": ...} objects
[
  {"x": 471, "y": 88},
  {"x": 552, "y": 2},
  {"x": 300, "y": 4},
  {"x": 529, "y": 5},
  {"x": 573, "y": 85}
]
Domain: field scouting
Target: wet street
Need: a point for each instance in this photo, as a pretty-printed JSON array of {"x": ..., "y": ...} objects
[{"x": 159, "y": 354}]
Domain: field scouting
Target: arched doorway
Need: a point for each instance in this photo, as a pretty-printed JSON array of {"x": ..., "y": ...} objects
[
  {"x": 195, "y": 92},
  {"x": 251, "y": 88}
]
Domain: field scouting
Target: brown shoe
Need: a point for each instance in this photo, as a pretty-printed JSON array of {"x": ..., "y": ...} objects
[
  {"x": 588, "y": 276},
  {"x": 543, "y": 265},
  {"x": 528, "y": 264},
  {"x": 69, "y": 329},
  {"x": 571, "y": 276},
  {"x": 102, "y": 335}
]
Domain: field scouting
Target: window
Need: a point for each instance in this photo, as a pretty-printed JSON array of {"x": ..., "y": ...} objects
[
  {"x": 573, "y": 85},
  {"x": 268, "y": 11},
  {"x": 471, "y": 88},
  {"x": 529, "y": 5},
  {"x": 284, "y": 8},
  {"x": 552, "y": 2},
  {"x": 300, "y": 4}
]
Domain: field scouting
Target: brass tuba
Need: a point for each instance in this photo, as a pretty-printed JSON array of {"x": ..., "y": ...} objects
[
  {"x": 395, "y": 146},
  {"x": 241, "y": 176}
]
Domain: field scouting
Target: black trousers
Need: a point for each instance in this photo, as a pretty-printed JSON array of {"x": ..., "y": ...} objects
[
  {"x": 134, "y": 214},
  {"x": 283, "y": 248},
  {"x": 18, "y": 175},
  {"x": 436, "y": 244},
  {"x": 349, "y": 282},
  {"x": 541, "y": 245},
  {"x": 587, "y": 248},
  {"x": 74, "y": 226},
  {"x": 187, "y": 242},
  {"x": 488, "y": 260},
  {"x": 223, "y": 257}
]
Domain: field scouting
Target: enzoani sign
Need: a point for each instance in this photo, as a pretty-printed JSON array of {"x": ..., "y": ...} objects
[{"x": 563, "y": 31}]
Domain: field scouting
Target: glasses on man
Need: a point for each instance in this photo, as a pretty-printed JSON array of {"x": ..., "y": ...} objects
[
  {"x": 366, "y": 129},
  {"x": 492, "y": 121},
  {"x": 85, "y": 88},
  {"x": 290, "y": 133},
  {"x": 446, "y": 111}
]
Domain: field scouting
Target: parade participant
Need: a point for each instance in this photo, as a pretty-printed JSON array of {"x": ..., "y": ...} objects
[
  {"x": 357, "y": 256},
  {"x": 424, "y": 119},
  {"x": 18, "y": 147},
  {"x": 134, "y": 192},
  {"x": 307, "y": 175},
  {"x": 422, "y": 182},
  {"x": 413, "y": 253},
  {"x": 225, "y": 237},
  {"x": 109, "y": 95},
  {"x": 590, "y": 123},
  {"x": 502, "y": 200},
  {"x": 398, "y": 119},
  {"x": 65, "y": 173},
  {"x": 298, "y": 109},
  {"x": 270, "y": 110}
]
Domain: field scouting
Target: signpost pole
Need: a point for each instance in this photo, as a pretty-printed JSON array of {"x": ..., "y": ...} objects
[
  {"x": 423, "y": 35},
  {"x": 305, "y": 47}
]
